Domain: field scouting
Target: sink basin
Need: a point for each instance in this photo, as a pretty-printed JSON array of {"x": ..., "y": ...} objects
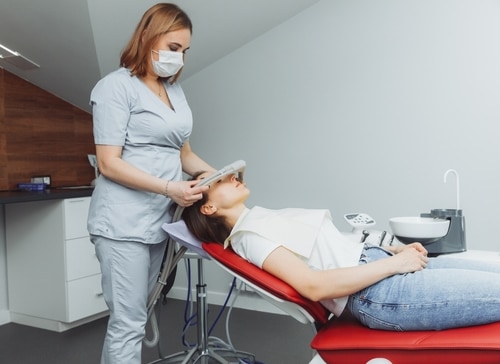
[{"x": 425, "y": 230}]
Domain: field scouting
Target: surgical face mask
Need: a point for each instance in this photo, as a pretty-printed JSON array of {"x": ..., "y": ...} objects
[{"x": 168, "y": 64}]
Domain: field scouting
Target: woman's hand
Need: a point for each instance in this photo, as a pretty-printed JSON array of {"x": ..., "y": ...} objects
[
  {"x": 418, "y": 246},
  {"x": 184, "y": 193},
  {"x": 410, "y": 258},
  {"x": 399, "y": 248}
]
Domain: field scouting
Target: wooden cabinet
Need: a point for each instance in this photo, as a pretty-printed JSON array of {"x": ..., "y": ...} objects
[{"x": 54, "y": 279}]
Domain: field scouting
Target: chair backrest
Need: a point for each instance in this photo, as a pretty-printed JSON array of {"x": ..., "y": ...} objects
[{"x": 269, "y": 284}]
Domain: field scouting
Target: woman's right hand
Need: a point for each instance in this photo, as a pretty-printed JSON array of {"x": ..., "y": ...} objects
[
  {"x": 409, "y": 261},
  {"x": 185, "y": 193}
]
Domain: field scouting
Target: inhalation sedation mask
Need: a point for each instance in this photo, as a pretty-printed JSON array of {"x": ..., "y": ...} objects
[{"x": 168, "y": 64}]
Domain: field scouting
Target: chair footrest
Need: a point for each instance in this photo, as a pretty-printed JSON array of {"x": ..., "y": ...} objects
[{"x": 345, "y": 340}]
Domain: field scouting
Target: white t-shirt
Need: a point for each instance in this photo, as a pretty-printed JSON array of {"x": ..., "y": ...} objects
[{"x": 310, "y": 234}]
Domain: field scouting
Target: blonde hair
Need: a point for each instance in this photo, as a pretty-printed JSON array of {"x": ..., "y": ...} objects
[{"x": 156, "y": 21}]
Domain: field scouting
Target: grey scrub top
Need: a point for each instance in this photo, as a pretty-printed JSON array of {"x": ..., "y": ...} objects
[{"x": 127, "y": 113}]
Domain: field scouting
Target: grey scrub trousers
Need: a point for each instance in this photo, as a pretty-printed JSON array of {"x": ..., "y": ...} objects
[
  {"x": 125, "y": 223},
  {"x": 125, "y": 267}
]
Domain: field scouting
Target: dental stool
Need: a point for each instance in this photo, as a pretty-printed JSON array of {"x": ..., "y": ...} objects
[{"x": 344, "y": 340}]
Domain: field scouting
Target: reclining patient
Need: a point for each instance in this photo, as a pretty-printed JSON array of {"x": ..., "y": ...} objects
[{"x": 394, "y": 288}]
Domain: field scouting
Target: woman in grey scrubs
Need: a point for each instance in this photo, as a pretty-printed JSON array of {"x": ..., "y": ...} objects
[{"x": 142, "y": 123}]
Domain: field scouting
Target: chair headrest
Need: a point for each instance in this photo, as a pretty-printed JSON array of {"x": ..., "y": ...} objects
[{"x": 180, "y": 233}]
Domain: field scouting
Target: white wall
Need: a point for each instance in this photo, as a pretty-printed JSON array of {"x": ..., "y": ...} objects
[{"x": 362, "y": 105}]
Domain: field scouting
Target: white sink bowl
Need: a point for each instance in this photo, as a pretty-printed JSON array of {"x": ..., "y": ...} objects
[{"x": 425, "y": 230}]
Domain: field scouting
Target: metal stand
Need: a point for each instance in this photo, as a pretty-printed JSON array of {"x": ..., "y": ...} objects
[{"x": 203, "y": 353}]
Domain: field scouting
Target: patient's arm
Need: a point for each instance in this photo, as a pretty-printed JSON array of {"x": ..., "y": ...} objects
[{"x": 334, "y": 283}]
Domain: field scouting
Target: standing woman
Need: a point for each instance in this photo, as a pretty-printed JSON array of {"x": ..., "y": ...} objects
[{"x": 142, "y": 124}]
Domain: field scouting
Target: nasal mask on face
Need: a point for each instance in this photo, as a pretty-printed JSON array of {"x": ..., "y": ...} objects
[
  {"x": 235, "y": 167},
  {"x": 168, "y": 64}
]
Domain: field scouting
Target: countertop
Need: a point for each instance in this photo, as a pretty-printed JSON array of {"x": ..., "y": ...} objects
[{"x": 7, "y": 197}]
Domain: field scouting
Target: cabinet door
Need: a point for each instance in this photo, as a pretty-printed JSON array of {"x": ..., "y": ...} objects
[
  {"x": 75, "y": 217},
  {"x": 53, "y": 273},
  {"x": 85, "y": 298},
  {"x": 81, "y": 260},
  {"x": 35, "y": 259}
]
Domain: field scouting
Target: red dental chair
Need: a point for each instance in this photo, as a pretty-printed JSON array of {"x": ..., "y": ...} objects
[{"x": 343, "y": 340}]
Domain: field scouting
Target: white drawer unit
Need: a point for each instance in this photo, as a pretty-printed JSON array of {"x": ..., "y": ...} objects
[{"x": 54, "y": 279}]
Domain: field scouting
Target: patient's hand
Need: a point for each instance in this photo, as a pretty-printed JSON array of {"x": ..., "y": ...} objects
[
  {"x": 417, "y": 246},
  {"x": 410, "y": 259}
]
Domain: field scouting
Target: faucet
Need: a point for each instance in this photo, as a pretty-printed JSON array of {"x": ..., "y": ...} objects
[{"x": 457, "y": 183}]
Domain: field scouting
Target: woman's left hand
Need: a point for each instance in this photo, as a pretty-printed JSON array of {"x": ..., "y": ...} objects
[
  {"x": 417, "y": 246},
  {"x": 396, "y": 249}
]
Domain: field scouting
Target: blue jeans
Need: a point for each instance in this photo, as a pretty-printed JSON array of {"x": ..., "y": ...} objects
[{"x": 450, "y": 292}]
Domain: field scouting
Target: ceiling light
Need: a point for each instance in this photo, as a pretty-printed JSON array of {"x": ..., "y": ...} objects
[
  {"x": 16, "y": 59},
  {"x": 6, "y": 52}
]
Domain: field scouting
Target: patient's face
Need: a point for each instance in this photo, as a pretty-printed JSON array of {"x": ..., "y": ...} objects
[{"x": 227, "y": 192}]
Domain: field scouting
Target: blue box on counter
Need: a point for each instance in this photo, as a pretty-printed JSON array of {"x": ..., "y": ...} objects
[{"x": 32, "y": 186}]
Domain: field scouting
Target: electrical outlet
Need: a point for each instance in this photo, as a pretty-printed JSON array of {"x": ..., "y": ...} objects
[{"x": 41, "y": 179}]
